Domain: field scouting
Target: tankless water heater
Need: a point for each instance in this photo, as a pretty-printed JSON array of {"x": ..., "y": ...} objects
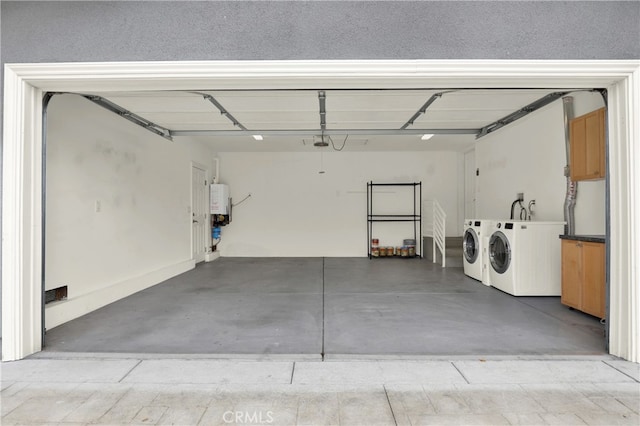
[{"x": 219, "y": 199}]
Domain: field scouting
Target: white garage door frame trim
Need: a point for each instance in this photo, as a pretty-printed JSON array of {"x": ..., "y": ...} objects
[{"x": 22, "y": 151}]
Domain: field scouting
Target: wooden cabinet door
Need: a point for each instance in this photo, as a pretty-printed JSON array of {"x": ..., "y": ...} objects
[
  {"x": 593, "y": 290},
  {"x": 594, "y": 132},
  {"x": 571, "y": 273},
  {"x": 587, "y": 139},
  {"x": 602, "y": 134},
  {"x": 578, "y": 138}
]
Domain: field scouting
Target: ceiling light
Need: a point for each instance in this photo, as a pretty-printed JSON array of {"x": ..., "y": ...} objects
[
  {"x": 426, "y": 136},
  {"x": 258, "y": 137}
]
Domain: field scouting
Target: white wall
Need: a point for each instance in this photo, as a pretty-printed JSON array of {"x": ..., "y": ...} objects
[
  {"x": 142, "y": 233},
  {"x": 529, "y": 156},
  {"x": 295, "y": 211}
]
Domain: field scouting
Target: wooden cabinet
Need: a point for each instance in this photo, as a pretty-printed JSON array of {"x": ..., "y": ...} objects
[
  {"x": 571, "y": 274},
  {"x": 587, "y": 142},
  {"x": 583, "y": 276},
  {"x": 593, "y": 279}
]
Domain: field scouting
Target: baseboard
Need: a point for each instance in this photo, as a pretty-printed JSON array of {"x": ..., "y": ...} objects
[
  {"x": 61, "y": 312},
  {"x": 211, "y": 256}
]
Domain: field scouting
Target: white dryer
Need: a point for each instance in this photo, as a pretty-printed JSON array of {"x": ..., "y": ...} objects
[
  {"x": 525, "y": 257},
  {"x": 474, "y": 247}
]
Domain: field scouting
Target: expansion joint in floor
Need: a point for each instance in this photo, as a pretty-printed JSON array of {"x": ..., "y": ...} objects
[{"x": 322, "y": 354}]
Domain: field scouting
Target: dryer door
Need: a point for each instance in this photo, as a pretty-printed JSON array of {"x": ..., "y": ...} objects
[
  {"x": 499, "y": 252},
  {"x": 470, "y": 245}
]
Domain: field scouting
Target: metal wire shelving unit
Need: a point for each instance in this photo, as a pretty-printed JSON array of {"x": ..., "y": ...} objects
[{"x": 415, "y": 217}]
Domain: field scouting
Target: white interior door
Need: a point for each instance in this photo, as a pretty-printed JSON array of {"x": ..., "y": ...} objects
[
  {"x": 470, "y": 184},
  {"x": 198, "y": 212}
]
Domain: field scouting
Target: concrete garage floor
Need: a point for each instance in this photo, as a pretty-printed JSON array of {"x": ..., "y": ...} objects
[{"x": 339, "y": 307}]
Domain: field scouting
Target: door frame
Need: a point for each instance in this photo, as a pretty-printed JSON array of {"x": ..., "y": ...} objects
[
  {"x": 470, "y": 152},
  {"x": 25, "y": 84}
]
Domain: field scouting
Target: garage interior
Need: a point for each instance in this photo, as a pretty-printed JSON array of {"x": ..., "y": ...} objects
[{"x": 123, "y": 234}]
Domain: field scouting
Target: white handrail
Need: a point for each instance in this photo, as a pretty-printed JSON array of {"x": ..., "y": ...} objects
[
  {"x": 439, "y": 231},
  {"x": 435, "y": 225}
]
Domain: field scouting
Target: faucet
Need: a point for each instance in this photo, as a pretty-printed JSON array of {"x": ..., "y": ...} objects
[{"x": 530, "y": 208}]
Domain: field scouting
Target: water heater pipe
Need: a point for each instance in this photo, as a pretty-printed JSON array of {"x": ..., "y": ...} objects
[
  {"x": 216, "y": 178},
  {"x": 572, "y": 187}
]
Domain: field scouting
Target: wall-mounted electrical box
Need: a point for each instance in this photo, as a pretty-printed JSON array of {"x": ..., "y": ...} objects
[{"x": 219, "y": 199}]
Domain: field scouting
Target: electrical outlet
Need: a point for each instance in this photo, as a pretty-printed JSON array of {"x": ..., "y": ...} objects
[
  {"x": 520, "y": 196},
  {"x": 98, "y": 206}
]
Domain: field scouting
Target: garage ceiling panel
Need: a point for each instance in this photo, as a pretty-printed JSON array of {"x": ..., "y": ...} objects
[
  {"x": 277, "y": 119},
  {"x": 142, "y": 104},
  {"x": 347, "y": 116},
  {"x": 173, "y": 120},
  {"x": 237, "y": 102},
  {"x": 346, "y": 109},
  {"x": 459, "y": 116},
  {"x": 480, "y": 100},
  {"x": 363, "y": 125},
  {"x": 377, "y": 100}
]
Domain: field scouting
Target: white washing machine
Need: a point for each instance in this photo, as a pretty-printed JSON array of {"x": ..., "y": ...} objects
[
  {"x": 472, "y": 248},
  {"x": 525, "y": 257}
]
